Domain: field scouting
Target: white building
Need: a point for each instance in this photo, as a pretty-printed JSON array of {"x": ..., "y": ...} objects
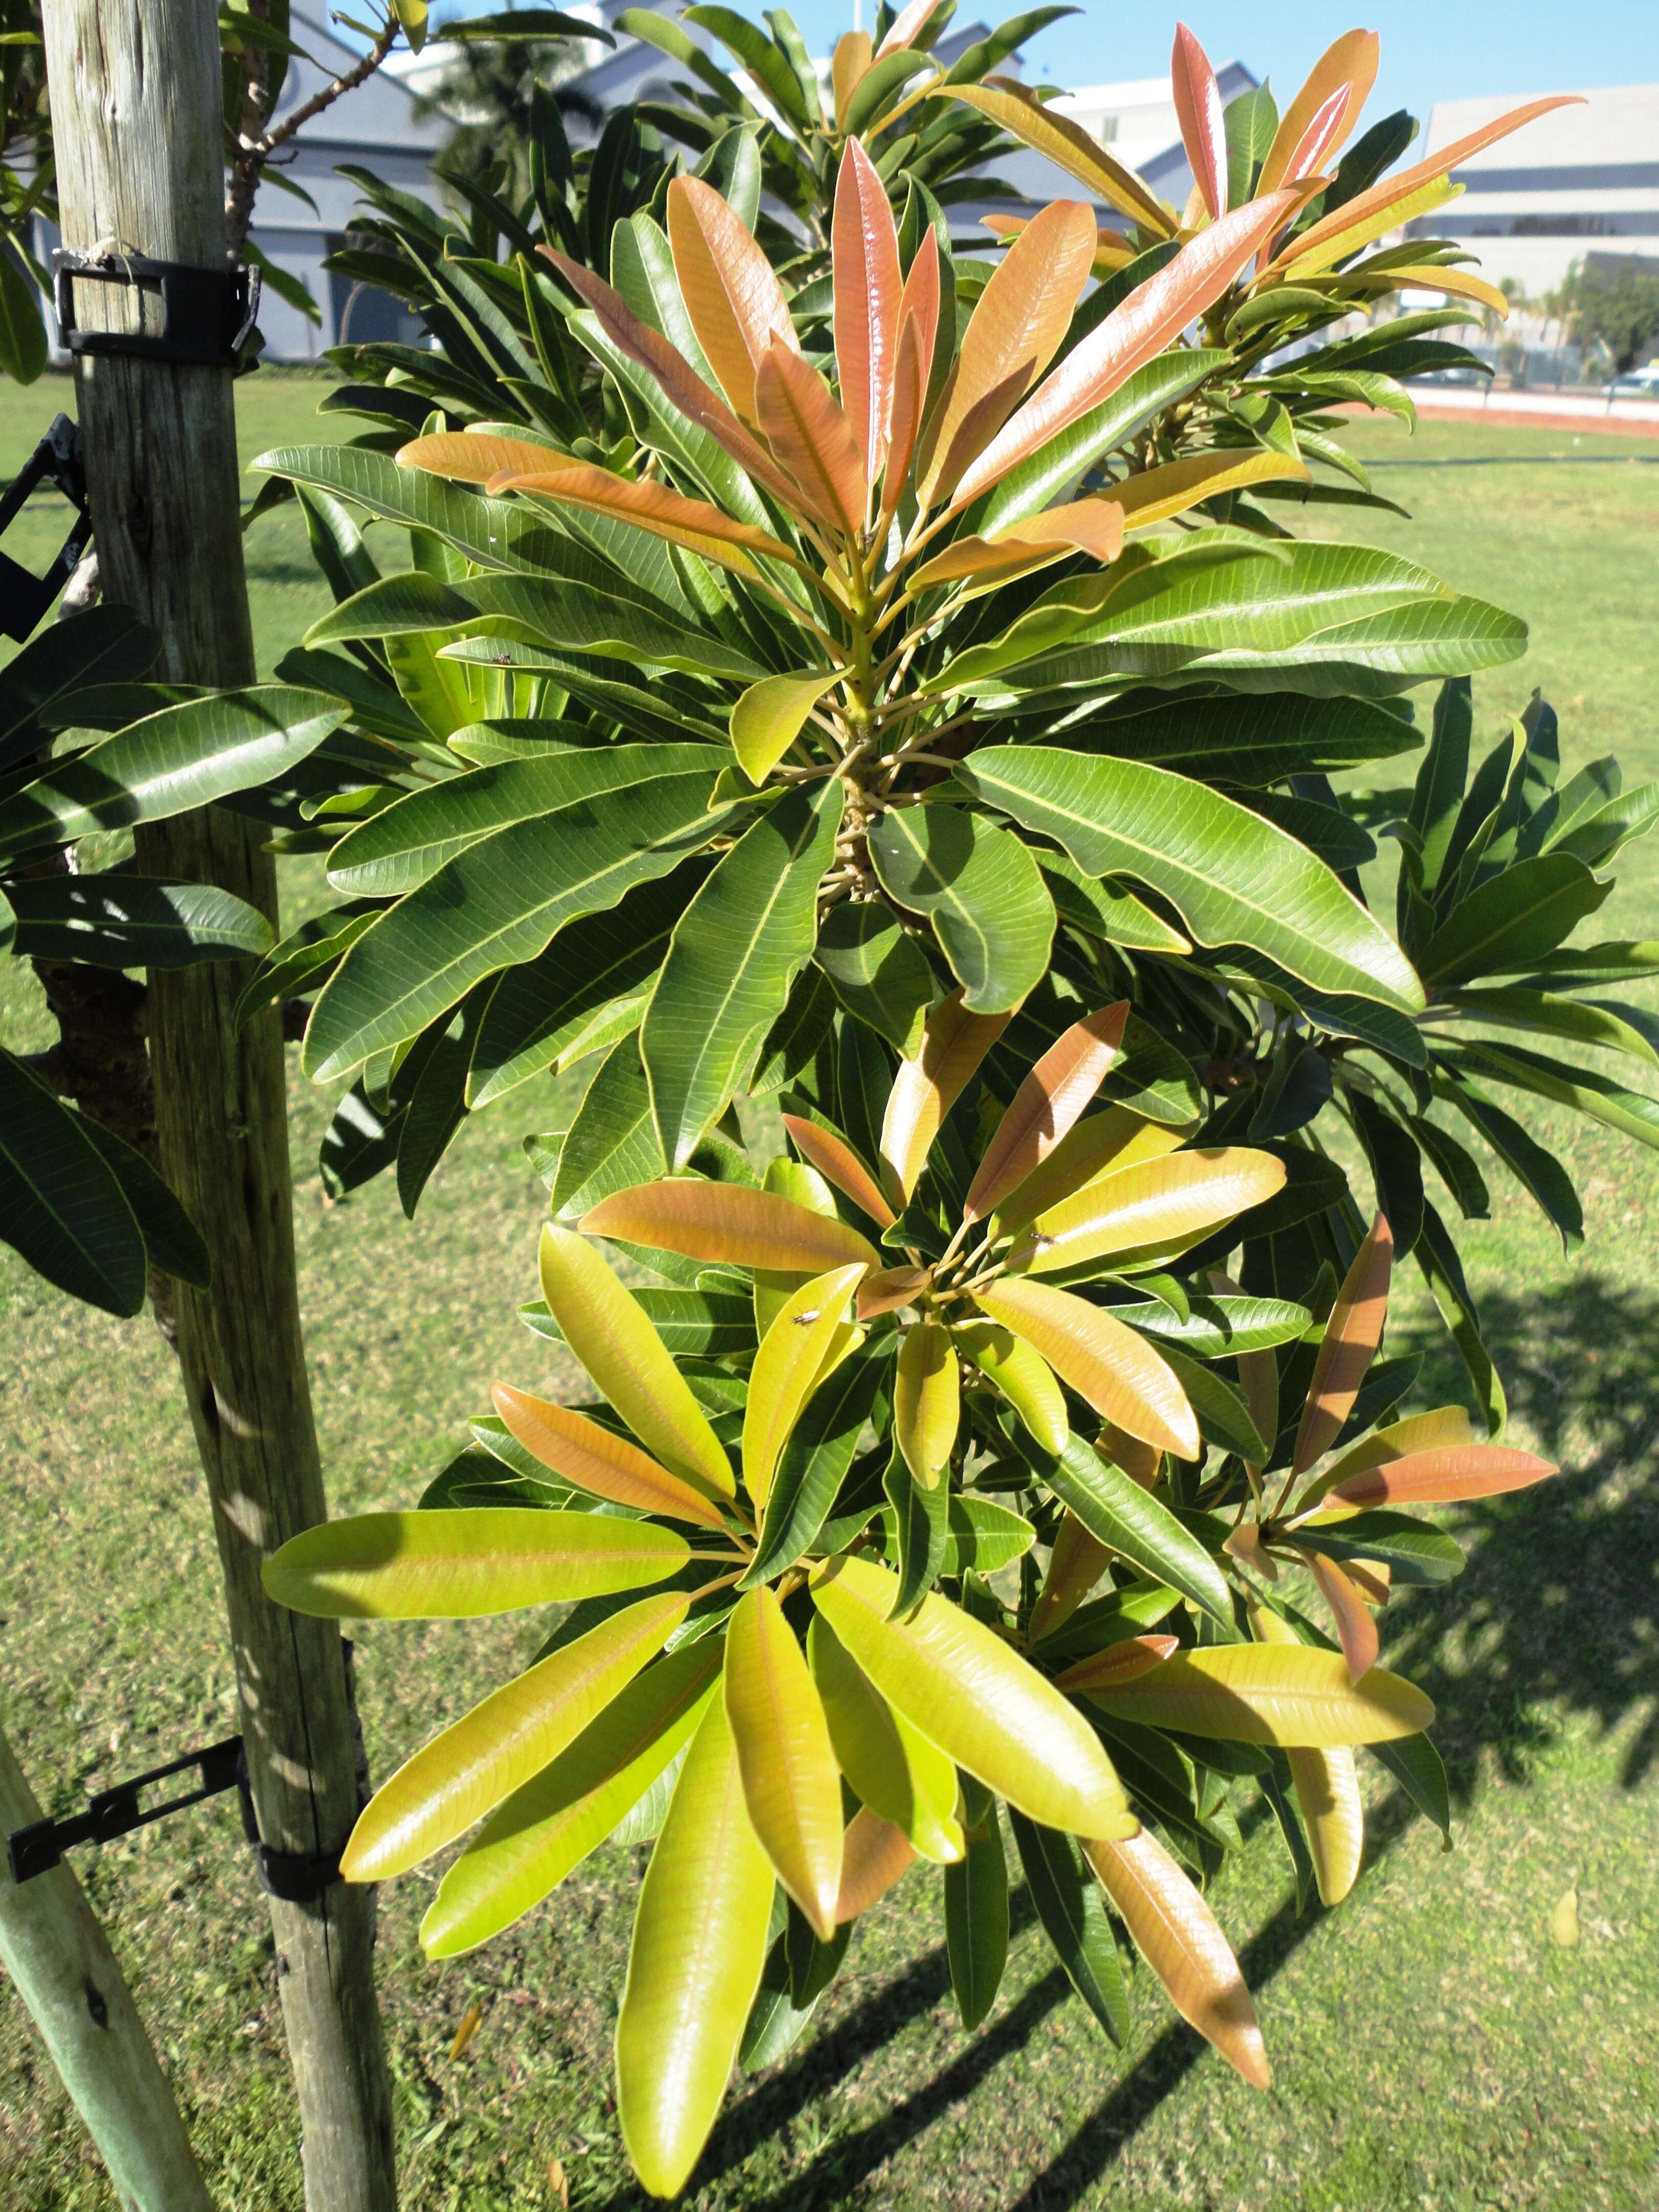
[{"x": 1581, "y": 180}]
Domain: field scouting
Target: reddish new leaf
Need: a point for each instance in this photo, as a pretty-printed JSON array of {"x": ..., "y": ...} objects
[
  {"x": 869, "y": 287},
  {"x": 1046, "y": 1105},
  {"x": 1203, "y": 127},
  {"x": 735, "y": 301},
  {"x": 1351, "y": 1336},
  {"x": 812, "y": 438}
]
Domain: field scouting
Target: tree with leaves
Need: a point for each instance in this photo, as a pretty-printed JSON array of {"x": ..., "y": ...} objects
[{"x": 837, "y": 672}]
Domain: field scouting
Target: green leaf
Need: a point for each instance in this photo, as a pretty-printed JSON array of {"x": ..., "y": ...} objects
[
  {"x": 1250, "y": 121},
  {"x": 1117, "y": 1511},
  {"x": 1104, "y": 909},
  {"x": 735, "y": 952},
  {"x": 1415, "y": 1551},
  {"x": 1073, "y": 1910},
  {"x": 545, "y": 1010},
  {"x": 183, "y": 757},
  {"x": 771, "y": 714},
  {"x": 982, "y": 891},
  {"x": 407, "y": 842},
  {"x": 133, "y": 921},
  {"x": 765, "y": 62},
  {"x": 1243, "y": 739},
  {"x": 498, "y": 903},
  {"x": 1214, "y": 1327},
  {"x": 1436, "y": 1255},
  {"x": 1224, "y": 1419},
  {"x": 1540, "y": 1173},
  {"x": 976, "y": 1908},
  {"x": 612, "y": 1145},
  {"x": 1418, "y": 1769},
  {"x": 1579, "y": 1021},
  {"x": 693, "y": 1324},
  {"x": 414, "y": 601},
  {"x": 1039, "y": 481},
  {"x": 917, "y": 1518},
  {"x": 22, "y": 328},
  {"x": 61, "y": 1202},
  {"x": 1627, "y": 1111},
  {"x": 1513, "y": 919},
  {"x": 171, "y": 1242},
  {"x": 815, "y": 1460},
  {"x": 980, "y": 1535},
  {"x": 106, "y": 646},
  {"x": 878, "y": 973},
  {"x": 1233, "y": 878}
]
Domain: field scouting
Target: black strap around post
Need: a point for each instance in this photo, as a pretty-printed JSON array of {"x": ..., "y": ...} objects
[{"x": 208, "y": 313}]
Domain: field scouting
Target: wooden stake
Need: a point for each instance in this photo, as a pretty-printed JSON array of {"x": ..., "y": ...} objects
[
  {"x": 135, "y": 94},
  {"x": 53, "y": 1948}
]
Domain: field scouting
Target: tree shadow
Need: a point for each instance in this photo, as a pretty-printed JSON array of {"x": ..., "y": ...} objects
[{"x": 1552, "y": 1619}]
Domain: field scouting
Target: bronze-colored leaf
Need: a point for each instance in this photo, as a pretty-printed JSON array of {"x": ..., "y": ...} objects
[
  {"x": 849, "y": 66},
  {"x": 735, "y": 302},
  {"x": 470, "y": 457},
  {"x": 811, "y": 439},
  {"x": 1351, "y": 1336},
  {"x": 1093, "y": 526},
  {"x": 1090, "y": 1151},
  {"x": 1442, "y": 1477},
  {"x": 1198, "y": 111},
  {"x": 648, "y": 506},
  {"x": 890, "y": 1289},
  {"x": 869, "y": 287},
  {"x": 680, "y": 382},
  {"x": 1117, "y": 1663},
  {"x": 918, "y": 334},
  {"x": 1116, "y": 1369},
  {"x": 1355, "y": 1630},
  {"x": 836, "y": 1161},
  {"x": 605, "y": 1466},
  {"x": 1177, "y": 1935},
  {"x": 1076, "y": 1563},
  {"x": 1346, "y": 67},
  {"x": 953, "y": 1043},
  {"x": 1153, "y": 316},
  {"x": 1013, "y": 334},
  {"x": 874, "y": 1854},
  {"x": 722, "y": 1222}
]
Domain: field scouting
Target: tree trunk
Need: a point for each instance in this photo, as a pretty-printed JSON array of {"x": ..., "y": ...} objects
[
  {"x": 53, "y": 1948},
  {"x": 136, "y": 95}
]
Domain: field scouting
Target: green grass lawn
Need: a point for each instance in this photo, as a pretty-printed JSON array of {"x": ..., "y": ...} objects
[{"x": 1433, "y": 2047}]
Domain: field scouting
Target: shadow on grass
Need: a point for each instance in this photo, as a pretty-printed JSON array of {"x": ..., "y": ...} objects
[{"x": 1549, "y": 1612}]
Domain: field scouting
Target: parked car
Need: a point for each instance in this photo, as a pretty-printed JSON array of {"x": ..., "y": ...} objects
[{"x": 1636, "y": 384}]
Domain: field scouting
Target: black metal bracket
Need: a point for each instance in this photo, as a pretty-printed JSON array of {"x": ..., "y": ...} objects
[
  {"x": 117, "y": 1811},
  {"x": 208, "y": 314},
  {"x": 297, "y": 1876},
  {"x": 25, "y": 598}
]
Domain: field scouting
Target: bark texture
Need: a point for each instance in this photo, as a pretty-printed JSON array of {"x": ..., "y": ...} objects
[{"x": 136, "y": 99}]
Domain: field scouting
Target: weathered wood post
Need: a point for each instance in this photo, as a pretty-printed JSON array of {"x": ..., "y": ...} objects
[
  {"x": 54, "y": 1950},
  {"x": 136, "y": 95}
]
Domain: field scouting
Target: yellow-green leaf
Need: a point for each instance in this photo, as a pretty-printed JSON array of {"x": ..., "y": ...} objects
[
  {"x": 787, "y": 1367},
  {"x": 728, "y": 1222},
  {"x": 1445, "y": 1428},
  {"x": 699, "y": 1947},
  {"x": 927, "y": 1399},
  {"x": 544, "y": 1829},
  {"x": 1109, "y": 1364},
  {"x": 1076, "y": 1564},
  {"x": 1025, "y": 1378},
  {"x": 891, "y": 1765},
  {"x": 1155, "y": 1202},
  {"x": 608, "y": 1331},
  {"x": 1327, "y": 1788},
  {"x": 466, "y": 1771},
  {"x": 455, "y": 1564},
  {"x": 603, "y": 1465},
  {"x": 771, "y": 714},
  {"x": 968, "y": 1692},
  {"x": 1087, "y": 1153},
  {"x": 1271, "y": 1693},
  {"x": 790, "y": 1781},
  {"x": 1177, "y": 1935},
  {"x": 1155, "y": 495}
]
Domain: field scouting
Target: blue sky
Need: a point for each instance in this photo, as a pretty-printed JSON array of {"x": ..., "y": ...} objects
[{"x": 1432, "y": 49}]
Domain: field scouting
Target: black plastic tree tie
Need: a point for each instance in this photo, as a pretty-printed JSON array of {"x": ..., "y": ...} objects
[{"x": 208, "y": 314}]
